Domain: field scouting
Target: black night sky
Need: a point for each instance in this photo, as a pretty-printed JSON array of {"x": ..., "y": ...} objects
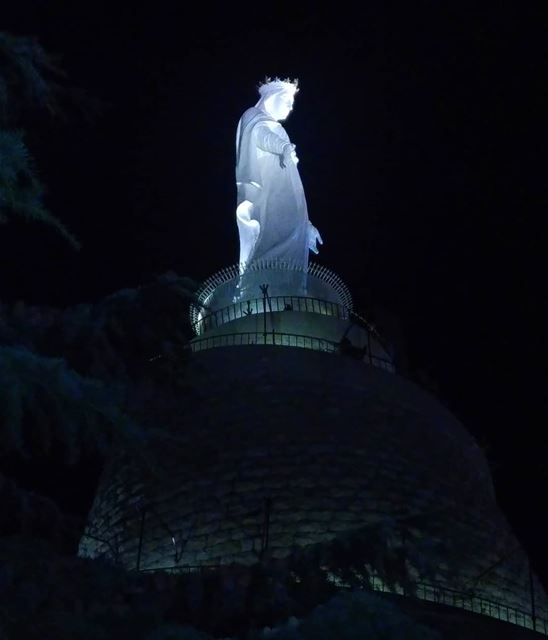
[{"x": 420, "y": 132}]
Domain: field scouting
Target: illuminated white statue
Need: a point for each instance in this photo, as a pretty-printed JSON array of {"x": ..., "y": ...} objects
[{"x": 271, "y": 209}]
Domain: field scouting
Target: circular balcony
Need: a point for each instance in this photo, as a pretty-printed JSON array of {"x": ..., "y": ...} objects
[
  {"x": 233, "y": 284},
  {"x": 275, "y": 303}
]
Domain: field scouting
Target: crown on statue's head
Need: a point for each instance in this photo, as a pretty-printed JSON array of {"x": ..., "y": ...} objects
[{"x": 278, "y": 85}]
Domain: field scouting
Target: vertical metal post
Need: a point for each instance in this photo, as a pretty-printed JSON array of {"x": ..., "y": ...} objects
[
  {"x": 532, "y": 588},
  {"x": 266, "y": 524},
  {"x": 141, "y": 532},
  {"x": 264, "y": 291},
  {"x": 271, "y": 317}
]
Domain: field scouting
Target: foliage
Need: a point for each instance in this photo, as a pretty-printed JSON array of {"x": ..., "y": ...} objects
[
  {"x": 28, "y": 77},
  {"x": 115, "y": 339},
  {"x": 397, "y": 551},
  {"x": 78, "y": 384},
  {"x": 27, "y": 81},
  {"x": 176, "y": 632},
  {"x": 235, "y": 599},
  {"x": 46, "y": 409},
  {"x": 47, "y": 595},
  {"x": 360, "y": 615},
  {"x": 29, "y": 514},
  {"x": 44, "y": 594},
  {"x": 43, "y": 404},
  {"x": 21, "y": 192}
]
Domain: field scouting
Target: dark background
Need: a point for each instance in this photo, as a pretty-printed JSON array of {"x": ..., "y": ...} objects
[{"x": 421, "y": 137}]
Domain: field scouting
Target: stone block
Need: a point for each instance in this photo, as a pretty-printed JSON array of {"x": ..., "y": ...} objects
[
  {"x": 282, "y": 540},
  {"x": 225, "y": 547},
  {"x": 206, "y": 529},
  {"x": 319, "y": 516},
  {"x": 196, "y": 544},
  {"x": 247, "y": 544},
  {"x": 310, "y": 527},
  {"x": 280, "y": 553},
  {"x": 305, "y": 540}
]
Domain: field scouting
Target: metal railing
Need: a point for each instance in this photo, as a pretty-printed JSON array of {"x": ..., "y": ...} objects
[
  {"x": 254, "y": 338},
  {"x": 232, "y": 274},
  {"x": 262, "y": 338},
  {"x": 468, "y": 602},
  {"x": 184, "y": 570},
  {"x": 267, "y": 305},
  {"x": 427, "y": 592}
]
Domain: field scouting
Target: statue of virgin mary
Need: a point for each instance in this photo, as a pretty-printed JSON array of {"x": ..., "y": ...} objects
[{"x": 271, "y": 211}]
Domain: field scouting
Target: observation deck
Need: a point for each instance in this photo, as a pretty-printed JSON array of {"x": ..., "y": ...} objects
[{"x": 278, "y": 303}]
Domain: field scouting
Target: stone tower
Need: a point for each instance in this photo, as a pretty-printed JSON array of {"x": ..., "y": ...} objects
[{"x": 298, "y": 430}]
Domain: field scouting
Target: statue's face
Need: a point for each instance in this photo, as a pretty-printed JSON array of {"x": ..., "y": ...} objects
[{"x": 280, "y": 106}]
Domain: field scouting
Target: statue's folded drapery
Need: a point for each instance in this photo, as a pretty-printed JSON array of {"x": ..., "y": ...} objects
[{"x": 271, "y": 210}]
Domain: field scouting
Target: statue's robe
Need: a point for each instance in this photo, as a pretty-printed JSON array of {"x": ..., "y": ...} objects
[{"x": 271, "y": 209}]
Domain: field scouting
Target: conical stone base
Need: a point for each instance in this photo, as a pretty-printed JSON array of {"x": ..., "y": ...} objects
[{"x": 282, "y": 447}]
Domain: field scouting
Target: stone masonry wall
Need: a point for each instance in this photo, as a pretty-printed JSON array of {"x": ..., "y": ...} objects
[{"x": 317, "y": 444}]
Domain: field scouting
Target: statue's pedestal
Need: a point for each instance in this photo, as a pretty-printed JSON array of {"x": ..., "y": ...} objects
[{"x": 275, "y": 303}]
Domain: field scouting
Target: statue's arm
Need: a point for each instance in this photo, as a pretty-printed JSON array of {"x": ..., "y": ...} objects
[
  {"x": 314, "y": 238},
  {"x": 269, "y": 141}
]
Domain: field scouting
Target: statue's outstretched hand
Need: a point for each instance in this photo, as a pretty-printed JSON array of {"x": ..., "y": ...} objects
[
  {"x": 314, "y": 237},
  {"x": 287, "y": 154}
]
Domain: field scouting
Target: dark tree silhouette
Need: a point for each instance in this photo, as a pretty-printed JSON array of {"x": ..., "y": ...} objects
[{"x": 28, "y": 80}]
